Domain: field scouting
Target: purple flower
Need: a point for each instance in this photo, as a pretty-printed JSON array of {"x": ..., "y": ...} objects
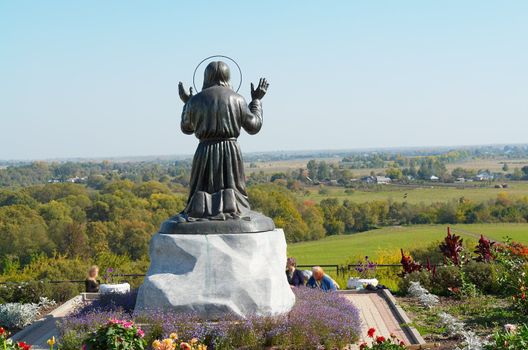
[{"x": 317, "y": 318}]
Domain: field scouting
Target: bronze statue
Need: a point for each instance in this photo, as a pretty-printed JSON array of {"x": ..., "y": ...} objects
[{"x": 218, "y": 201}]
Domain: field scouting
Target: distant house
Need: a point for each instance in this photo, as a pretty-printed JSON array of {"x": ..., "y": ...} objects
[
  {"x": 76, "y": 180},
  {"x": 331, "y": 182},
  {"x": 484, "y": 177},
  {"x": 368, "y": 179},
  {"x": 383, "y": 180},
  {"x": 434, "y": 178}
]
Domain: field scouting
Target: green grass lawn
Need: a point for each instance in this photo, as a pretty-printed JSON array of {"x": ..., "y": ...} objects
[
  {"x": 389, "y": 240},
  {"x": 422, "y": 195}
]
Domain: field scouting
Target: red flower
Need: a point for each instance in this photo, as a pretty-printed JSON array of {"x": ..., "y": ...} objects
[
  {"x": 402, "y": 343},
  {"x": 380, "y": 339},
  {"x": 371, "y": 332},
  {"x": 363, "y": 346},
  {"x": 23, "y": 345},
  {"x": 2, "y": 331}
]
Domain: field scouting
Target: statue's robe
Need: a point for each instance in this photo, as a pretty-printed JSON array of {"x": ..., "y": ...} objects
[{"x": 218, "y": 186}]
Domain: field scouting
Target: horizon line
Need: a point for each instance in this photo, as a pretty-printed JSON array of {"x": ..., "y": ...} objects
[{"x": 184, "y": 156}]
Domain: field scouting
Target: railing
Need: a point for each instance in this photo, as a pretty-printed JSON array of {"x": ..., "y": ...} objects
[
  {"x": 342, "y": 270},
  {"x": 132, "y": 275}
]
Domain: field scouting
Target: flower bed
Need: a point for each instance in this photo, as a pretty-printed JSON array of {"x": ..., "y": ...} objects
[{"x": 317, "y": 319}]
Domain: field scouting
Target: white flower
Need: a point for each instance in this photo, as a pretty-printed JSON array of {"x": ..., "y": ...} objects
[
  {"x": 510, "y": 328},
  {"x": 424, "y": 297}
]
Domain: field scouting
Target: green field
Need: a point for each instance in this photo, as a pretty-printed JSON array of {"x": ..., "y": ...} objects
[
  {"x": 337, "y": 249},
  {"x": 422, "y": 194}
]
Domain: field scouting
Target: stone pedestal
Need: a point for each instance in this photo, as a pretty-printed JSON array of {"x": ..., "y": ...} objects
[{"x": 217, "y": 274}]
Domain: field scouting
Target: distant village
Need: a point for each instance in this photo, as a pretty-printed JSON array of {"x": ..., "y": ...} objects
[
  {"x": 74, "y": 180},
  {"x": 385, "y": 180}
]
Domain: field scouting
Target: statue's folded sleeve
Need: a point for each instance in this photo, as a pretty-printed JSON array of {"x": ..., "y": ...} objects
[
  {"x": 251, "y": 116},
  {"x": 187, "y": 123}
]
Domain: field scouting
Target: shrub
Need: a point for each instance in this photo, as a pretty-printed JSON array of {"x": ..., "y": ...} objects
[
  {"x": 431, "y": 251},
  {"x": 24, "y": 292},
  {"x": 511, "y": 338},
  {"x": 446, "y": 279},
  {"x": 15, "y": 315},
  {"x": 63, "y": 291},
  {"x": 442, "y": 281},
  {"x": 520, "y": 296},
  {"x": 483, "y": 276},
  {"x": 512, "y": 267},
  {"x": 6, "y": 293},
  {"x": 116, "y": 335},
  {"x": 71, "y": 340},
  {"x": 423, "y": 277},
  {"x": 31, "y": 292}
]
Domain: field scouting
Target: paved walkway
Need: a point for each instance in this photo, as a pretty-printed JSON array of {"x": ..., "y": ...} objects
[
  {"x": 376, "y": 313},
  {"x": 38, "y": 333}
]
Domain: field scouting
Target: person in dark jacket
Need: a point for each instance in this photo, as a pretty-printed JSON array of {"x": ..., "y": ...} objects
[
  {"x": 295, "y": 277},
  {"x": 92, "y": 283},
  {"x": 320, "y": 280}
]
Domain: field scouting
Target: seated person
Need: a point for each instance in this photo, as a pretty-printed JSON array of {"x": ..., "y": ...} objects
[
  {"x": 92, "y": 283},
  {"x": 295, "y": 277},
  {"x": 320, "y": 280}
]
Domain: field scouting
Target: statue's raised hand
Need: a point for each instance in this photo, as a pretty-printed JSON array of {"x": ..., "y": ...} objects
[
  {"x": 260, "y": 91},
  {"x": 183, "y": 94}
]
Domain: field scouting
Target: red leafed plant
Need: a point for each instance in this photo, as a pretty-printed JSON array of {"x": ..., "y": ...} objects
[
  {"x": 452, "y": 248},
  {"x": 430, "y": 268},
  {"x": 484, "y": 250},
  {"x": 408, "y": 264}
]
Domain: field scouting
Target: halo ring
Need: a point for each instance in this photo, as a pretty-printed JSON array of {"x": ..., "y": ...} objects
[{"x": 220, "y": 56}]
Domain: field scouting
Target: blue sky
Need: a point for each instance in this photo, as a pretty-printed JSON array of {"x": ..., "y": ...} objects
[{"x": 99, "y": 78}]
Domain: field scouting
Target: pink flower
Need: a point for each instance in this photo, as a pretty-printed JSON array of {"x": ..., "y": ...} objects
[
  {"x": 128, "y": 324},
  {"x": 140, "y": 333}
]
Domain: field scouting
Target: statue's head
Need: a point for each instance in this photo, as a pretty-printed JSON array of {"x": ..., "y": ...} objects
[{"x": 216, "y": 74}]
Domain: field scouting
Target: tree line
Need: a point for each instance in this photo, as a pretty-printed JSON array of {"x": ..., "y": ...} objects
[{"x": 120, "y": 216}]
